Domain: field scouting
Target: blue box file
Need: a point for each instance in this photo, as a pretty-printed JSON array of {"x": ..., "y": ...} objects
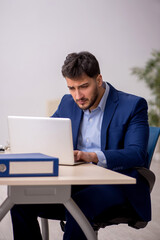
[{"x": 28, "y": 165}]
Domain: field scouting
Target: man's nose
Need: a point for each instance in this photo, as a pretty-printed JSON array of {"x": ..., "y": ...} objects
[{"x": 78, "y": 94}]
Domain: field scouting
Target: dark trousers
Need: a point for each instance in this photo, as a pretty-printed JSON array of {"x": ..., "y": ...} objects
[{"x": 92, "y": 200}]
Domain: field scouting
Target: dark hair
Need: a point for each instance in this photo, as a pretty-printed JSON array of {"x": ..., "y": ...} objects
[{"x": 76, "y": 64}]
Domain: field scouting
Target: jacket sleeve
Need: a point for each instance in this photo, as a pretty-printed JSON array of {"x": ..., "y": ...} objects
[{"x": 130, "y": 140}]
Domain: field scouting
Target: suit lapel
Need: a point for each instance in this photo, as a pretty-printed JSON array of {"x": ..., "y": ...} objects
[{"x": 111, "y": 105}]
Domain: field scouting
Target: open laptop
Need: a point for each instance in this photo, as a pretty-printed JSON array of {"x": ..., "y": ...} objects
[{"x": 50, "y": 136}]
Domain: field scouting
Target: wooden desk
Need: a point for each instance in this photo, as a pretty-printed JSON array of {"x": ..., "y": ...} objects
[{"x": 34, "y": 190}]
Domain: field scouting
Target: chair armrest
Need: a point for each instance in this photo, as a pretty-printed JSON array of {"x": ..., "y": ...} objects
[{"x": 148, "y": 175}]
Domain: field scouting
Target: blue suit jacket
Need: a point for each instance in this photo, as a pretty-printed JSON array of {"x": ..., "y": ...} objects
[{"x": 124, "y": 139}]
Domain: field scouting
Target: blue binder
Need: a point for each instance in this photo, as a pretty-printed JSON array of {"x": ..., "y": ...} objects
[{"x": 28, "y": 165}]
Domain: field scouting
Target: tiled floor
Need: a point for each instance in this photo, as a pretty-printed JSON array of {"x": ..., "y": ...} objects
[{"x": 121, "y": 232}]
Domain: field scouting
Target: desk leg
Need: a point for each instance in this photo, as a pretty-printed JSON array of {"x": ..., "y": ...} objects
[
  {"x": 5, "y": 207},
  {"x": 45, "y": 228},
  {"x": 80, "y": 219}
]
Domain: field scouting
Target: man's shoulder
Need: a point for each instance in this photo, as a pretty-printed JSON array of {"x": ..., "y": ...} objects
[
  {"x": 67, "y": 107},
  {"x": 129, "y": 96},
  {"x": 67, "y": 99},
  {"x": 125, "y": 96},
  {"x": 126, "y": 100},
  {"x": 68, "y": 104}
]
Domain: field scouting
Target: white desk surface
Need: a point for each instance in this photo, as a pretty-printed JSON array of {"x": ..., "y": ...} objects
[{"x": 73, "y": 175}]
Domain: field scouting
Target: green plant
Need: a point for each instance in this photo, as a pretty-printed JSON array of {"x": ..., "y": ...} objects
[{"x": 151, "y": 75}]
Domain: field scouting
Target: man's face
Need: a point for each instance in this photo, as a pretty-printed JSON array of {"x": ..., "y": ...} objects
[{"x": 86, "y": 91}]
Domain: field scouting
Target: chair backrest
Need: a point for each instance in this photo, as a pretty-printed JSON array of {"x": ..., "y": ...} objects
[{"x": 154, "y": 133}]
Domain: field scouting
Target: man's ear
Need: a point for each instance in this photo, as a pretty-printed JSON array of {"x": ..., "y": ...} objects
[{"x": 99, "y": 80}]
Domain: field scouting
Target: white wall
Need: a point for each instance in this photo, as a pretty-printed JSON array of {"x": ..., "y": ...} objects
[{"x": 36, "y": 35}]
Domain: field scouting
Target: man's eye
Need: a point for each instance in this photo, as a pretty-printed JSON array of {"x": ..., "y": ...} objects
[
  {"x": 84, "y": 86},
  {"x": 71, "y": 88}
]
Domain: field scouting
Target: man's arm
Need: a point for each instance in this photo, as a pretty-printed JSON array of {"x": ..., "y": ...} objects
[{"x": 133, "y": 152}]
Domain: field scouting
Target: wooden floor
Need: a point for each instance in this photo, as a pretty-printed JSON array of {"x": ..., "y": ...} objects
[{"x": 121, "y": 232}]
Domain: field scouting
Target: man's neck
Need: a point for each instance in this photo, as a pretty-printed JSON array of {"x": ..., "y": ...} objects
[{"x": 100, "y": 95}]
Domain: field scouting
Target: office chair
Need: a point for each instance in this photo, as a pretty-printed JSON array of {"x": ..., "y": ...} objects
[{"x": 121, "y": 214}]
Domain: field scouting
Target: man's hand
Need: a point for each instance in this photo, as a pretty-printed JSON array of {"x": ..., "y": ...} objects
[{"x": 85, "y": 156}]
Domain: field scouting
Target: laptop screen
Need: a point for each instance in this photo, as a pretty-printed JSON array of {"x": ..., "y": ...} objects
[{"x": 50, "y": 136}]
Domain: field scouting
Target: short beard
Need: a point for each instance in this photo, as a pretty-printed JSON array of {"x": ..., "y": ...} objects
[{"x": 93, "y": 100}]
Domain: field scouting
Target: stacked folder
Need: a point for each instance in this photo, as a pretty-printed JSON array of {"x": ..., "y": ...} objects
[{"x": 28, "y": 165}]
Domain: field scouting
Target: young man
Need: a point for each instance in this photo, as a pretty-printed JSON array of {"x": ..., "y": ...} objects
[{"x": 110, "y": 129}]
